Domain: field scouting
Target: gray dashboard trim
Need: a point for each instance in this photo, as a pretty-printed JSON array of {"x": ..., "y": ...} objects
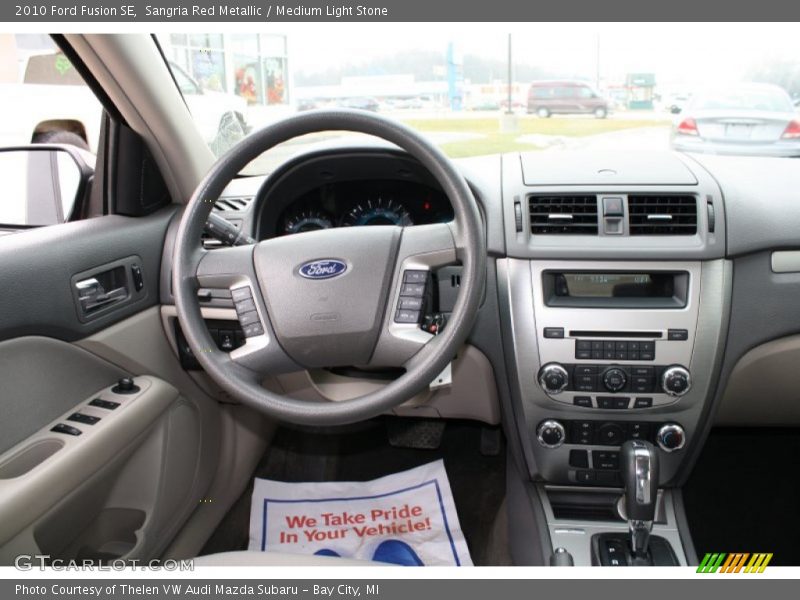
[
  {"x": 762, "y": 200},
  {"x": 763, "y": 307}
]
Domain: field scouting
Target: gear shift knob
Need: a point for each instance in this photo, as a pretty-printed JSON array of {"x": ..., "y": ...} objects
[{"x": 639, "y": 464}]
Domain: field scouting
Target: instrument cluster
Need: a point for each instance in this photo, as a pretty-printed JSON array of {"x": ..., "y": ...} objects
[{"x": 363, "y": 203}]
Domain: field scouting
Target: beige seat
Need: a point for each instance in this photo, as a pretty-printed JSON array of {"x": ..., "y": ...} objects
[{"x": 276, "y": 559}]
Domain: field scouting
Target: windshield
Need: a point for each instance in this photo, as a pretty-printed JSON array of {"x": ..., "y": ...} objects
[{"x": 476, "y": 90}]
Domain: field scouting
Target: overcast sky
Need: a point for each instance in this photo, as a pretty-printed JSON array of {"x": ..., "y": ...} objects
[{"x": 676, "y": 52}]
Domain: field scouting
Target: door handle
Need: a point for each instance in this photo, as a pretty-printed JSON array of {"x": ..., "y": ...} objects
[{"x": 92, "y": 295}]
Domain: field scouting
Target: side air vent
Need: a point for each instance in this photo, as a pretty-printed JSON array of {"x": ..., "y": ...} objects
[
  {"x": 231, "y": 204},
  {"x": 563, "y": 214},
  {"x": 662, "y": 215}
]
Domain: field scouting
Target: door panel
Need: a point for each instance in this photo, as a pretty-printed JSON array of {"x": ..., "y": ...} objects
[
  {"x": 37, "y": 267},
  {"x": 43, "y": 378}
]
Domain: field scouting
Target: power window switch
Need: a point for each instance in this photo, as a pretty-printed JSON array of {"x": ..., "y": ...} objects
[
  {"x": 66, "y": 429},
  {"x": 82, "y": 418},
  {"x": 106, "y": 404}
]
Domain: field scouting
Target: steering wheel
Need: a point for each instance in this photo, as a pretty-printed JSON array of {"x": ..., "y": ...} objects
[{"x": 331, "y": 297}]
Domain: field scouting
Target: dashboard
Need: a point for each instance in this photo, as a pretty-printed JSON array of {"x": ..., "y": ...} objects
[
  {"x": 629, "y": 296},
  {"x": 611, "y": 298}
]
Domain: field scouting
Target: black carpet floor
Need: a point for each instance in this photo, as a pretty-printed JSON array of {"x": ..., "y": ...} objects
[
  {"x": 744, "y": 494},
  {"x": 361, "y": 453}
]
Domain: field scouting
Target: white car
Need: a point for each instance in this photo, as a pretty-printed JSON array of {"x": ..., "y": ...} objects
[{"x": 52, "y": 104}]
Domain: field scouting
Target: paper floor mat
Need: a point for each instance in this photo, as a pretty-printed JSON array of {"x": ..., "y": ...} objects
[{"x": 407, "y": 518}]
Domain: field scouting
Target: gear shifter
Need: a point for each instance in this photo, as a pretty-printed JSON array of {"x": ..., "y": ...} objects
[{"x": 639, "y": 464}]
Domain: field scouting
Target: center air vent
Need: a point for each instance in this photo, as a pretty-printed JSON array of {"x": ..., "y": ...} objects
[
  {"x": 230, "y": 204},
  {"x": 563, "y": 214},
  {"x": 662, "y": 215}
]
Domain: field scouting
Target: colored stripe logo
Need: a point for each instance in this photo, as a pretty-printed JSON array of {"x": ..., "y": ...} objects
[{"x": 737, "y": 562}]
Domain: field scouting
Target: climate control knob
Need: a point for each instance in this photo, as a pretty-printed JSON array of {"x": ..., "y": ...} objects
[
  {"x": 553, "y": 378},
  {"x": 614, "y": 379},
  {"x": 676, "y": 381},
  {"x": 550, "y": 433},
  {"x": 671, "y": 437}
]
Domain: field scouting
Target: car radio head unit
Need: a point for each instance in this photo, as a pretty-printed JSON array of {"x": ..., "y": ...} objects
[{"x": 615, "y": 289}]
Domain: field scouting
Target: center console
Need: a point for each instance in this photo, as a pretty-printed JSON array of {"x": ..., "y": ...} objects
[{"x": 614, "y": 303}]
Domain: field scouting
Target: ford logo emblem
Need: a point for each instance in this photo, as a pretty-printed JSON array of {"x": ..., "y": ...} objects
[{"x": 323, "y": 269}]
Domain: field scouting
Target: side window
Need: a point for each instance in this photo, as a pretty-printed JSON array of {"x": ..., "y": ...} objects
[
  {"x": 47, "y": 106},
  {"x": 585, "y": 92}
]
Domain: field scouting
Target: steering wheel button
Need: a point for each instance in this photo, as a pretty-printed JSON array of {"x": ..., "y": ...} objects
[
  {"x": 252, "y": 330},
  {"x": 413, "y": 289},
  {"x": 249, "y": 318},
  {"x": 410, "y": 303},
  {"x": 406, "y": 316},
  {"x": 245, "y": 306},
  {"x": 415, "y": 276},
  {"x": 242, "y": 293}
]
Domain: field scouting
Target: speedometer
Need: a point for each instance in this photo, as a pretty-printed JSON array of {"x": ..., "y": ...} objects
[
  {"x": 378, "y": 212},
  {"x": 309, "y": 220}
]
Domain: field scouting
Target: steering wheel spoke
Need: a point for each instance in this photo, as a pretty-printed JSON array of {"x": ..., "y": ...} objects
[
  {"x": 423, "y": 249},
  {"x": 232, "y": 268}
]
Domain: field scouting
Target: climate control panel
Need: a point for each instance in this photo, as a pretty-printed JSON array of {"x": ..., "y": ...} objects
[{"x": 600, "y": 465}]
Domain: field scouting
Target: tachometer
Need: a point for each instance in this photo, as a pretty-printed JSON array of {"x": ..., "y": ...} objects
[
  {"x": 308, "y": 220},
  {"x": 378, "y": 212}
]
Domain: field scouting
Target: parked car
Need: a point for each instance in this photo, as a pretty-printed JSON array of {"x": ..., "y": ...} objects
[
  {"x": 676, "y": 103},
  {"x": 747, "y": 118},
  {"x": 369, "y": 104},
  {"x": 547, "y": 98}
]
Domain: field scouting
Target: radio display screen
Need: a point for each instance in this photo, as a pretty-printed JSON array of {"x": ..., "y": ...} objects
[{"x": 614, "y": 285}]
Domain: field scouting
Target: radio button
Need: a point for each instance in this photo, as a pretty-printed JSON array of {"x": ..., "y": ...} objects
[
  {"x": 643, "y": 403},
  {"x": 585, "y": 383},
  {"x": 582, "y": 401},
  {"x": 605, "y": 402},
  {"x": 554, "y": 333},
  {"x": 621, "y": 403},
  {"x": 585, "y": 369},
  {"x": 614, "y": 379},
  {"x": 642, "y": 384},
  {"x": 679, "y": 335},
  {"x": 648, "y": 351}
]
